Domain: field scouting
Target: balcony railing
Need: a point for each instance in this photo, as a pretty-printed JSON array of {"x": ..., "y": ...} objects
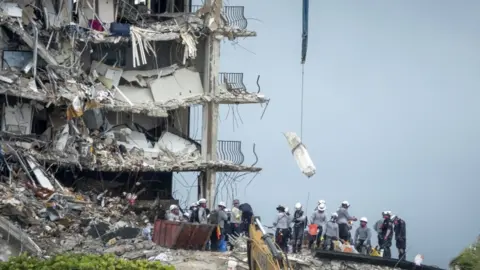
[
  {"x": 234, "y": 15},
  {"x": 229, "y": 151},
  {"x": 233, "y": 81}
]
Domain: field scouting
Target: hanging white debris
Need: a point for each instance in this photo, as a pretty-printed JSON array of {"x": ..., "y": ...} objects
[{"x": 300, "y": 154}]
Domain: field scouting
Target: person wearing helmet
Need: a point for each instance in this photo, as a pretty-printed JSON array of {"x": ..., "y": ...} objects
[
  {"x": 400, "y": 236},
  {"x": 236, "y": 218},
  {"x": 343, "y": 219},
  {"x": 174, "y": 214},
  {"x": 378, "y": 229},
  {"x": 193, "y": 211},
  {"x": 320, "y": 219},
  {"x": 299, "y": 224},
  {"x": 387, "y": 235},
  {"x": 331, "y": 232},
  {"x": 281, "y": 224},
  {"x": 202, "y": 211},
  {"x": 218, "y": 218},
  {"x": 363, "y": 236}
]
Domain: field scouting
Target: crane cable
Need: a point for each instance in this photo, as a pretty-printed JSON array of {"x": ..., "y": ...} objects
[
  {"x": 302, "y": 103},
  {"x": 305, "y": 7}
]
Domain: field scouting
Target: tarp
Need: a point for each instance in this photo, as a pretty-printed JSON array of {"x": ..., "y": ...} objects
[
  {"x": 304, "y": 30},
  {"x": 181, "y": 235}
]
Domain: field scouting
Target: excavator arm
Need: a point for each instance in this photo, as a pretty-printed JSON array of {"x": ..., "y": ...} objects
[{"x": 264, "y": 254}]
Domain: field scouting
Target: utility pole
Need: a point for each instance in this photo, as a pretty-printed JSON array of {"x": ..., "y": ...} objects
[{"x": 210, "y": 113}]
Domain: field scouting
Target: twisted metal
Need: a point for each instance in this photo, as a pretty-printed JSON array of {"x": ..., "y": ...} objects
[
  {"x": 229, "y": 151},
  {"x": 233, "y": 15}
]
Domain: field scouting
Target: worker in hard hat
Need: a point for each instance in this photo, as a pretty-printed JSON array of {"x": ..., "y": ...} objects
[
  {"x": 378, "y": 229},
  {"x": 281, "y": 224},
  {"x": 400, "y": 236},
  {"x": 202, "y": 211},
  {"x": 320, "y": 219},
  {"x": 218, "y": 218},
  {"x": 236, "y": 218},
  {"x": 363, "y": 235},
  {"x": 343, "y": 219},
  {"x": 387, "y": 235},
  {"x": 299, "y": 224},
  {"x": 174, "y": 213},
  {"x": 193, "y": 212},
  {"x": 331, "y": 232}
]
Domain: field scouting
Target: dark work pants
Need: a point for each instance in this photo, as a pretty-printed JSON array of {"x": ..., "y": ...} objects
[
  {"x": 328, "y": 243},
  {"x": 315, "y": 238},
  {"x": 281, "y": 238},
  {"x": 297, "y": 238},
  {"x": 380, "y": 241},
  {"x": 246, "y": 220},
  {"x": 343, "y": 232},
  {"x": 387, "y": 253},
  {"x": 401, "y": 246}
]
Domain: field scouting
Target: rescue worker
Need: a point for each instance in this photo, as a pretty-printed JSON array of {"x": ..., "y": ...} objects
[
  {"x": 236, "y": 218},
  {"x": 331, "y": 232},
  {"x": 218, "y": 217},
  {"x": 247, "y": 214},
  {"x": 281, "y": 223},
  {"x": 387, "y": 235},
  {"x": 320, "y": 219},
  {"x": 193, "y": 211},
  {"x": 202, "y": 211},
  {"x": 378, "y": 229},
  {"x": 290, "y": 232},
  {"x": 400, "y": 236},
  {"x": 174, "y": 214},
  {"x": 343, "y": 219},
  {"x": 363, "y": 236},
  {"x": 321, "y": 202},
  {"x": 299, "y": 224}
]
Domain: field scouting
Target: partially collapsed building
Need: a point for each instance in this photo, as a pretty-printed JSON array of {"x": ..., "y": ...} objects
[{"x": 101, "y": 90}]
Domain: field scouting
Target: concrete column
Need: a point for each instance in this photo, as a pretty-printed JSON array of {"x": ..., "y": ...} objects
[{"x": 210, "y": 109}]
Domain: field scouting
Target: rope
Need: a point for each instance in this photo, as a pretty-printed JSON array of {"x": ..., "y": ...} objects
[{"x": 301, "y": 104}]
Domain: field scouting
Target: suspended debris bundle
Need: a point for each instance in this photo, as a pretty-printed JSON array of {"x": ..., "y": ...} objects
[{"x": 300, "y": 154}]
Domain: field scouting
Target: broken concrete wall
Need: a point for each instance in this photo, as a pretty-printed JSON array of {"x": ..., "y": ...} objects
[
  {"x": 17, "y": 118},
  {"x": 199, "y": 61}
]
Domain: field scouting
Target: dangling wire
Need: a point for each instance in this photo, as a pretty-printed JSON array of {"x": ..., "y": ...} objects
[{"x": 301, "y": 104}]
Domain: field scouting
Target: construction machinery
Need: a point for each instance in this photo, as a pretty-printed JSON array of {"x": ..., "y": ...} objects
[{"x": 263, "y": 253}]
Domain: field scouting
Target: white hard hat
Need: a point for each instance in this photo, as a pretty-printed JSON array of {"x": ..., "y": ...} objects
[
  {"x": 202, "y": 200},
  {"x": 345, "y": 203},
  {"x": 364, "y": 219},
  {"x": 298, "y": 206},
  {"x": 321, "y": 201},
  {"x": 334, "y": 214},
  {"x": 286, "y": 209},
  {"x": 173, "y": 207},
  {"x": 388, "y": 213},
  {"x": 393, "y": 217},
  {"x": 222, "y": 204},
  {"x": 322, "y": 207},
  {"x": 195, "y": 204}
]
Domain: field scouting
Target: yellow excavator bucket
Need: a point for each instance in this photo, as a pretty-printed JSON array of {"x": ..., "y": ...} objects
[{"x": 260, "y": 248}]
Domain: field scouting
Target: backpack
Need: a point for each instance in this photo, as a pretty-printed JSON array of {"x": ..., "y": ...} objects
[{"x": 213, "y": 218}]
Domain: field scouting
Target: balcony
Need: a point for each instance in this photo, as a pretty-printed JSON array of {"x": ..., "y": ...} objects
[
  {"x": 234, "y": 16},
  {"x": 229, "y": 151}
]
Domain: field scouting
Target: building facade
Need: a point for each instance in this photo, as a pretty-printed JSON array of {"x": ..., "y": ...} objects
[{"x": 102, "y": 90}]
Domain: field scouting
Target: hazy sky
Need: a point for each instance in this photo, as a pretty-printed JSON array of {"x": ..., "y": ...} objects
[{"x": 391, "y": 113}]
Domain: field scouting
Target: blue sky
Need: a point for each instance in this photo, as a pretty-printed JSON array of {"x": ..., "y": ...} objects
[{"x": 391, "y": 116}]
